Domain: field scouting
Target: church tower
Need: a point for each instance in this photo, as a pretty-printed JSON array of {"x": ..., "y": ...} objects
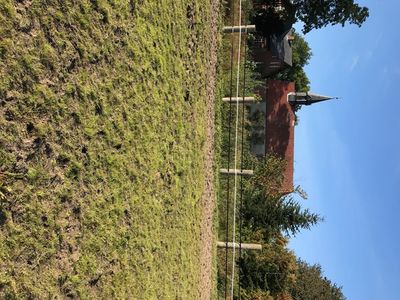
[{"x": 307, "y": 98}]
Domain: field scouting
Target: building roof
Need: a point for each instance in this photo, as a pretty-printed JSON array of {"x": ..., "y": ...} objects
[
  {"x": 280, "y": 46},
  {"x": 273, "y": 53}
]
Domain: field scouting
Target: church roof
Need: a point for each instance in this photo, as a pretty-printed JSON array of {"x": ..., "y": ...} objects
[{"x": 281, "y": 47}]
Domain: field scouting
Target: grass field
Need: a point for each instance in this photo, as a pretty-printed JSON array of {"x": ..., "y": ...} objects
[{"x": 102, "y": 131}]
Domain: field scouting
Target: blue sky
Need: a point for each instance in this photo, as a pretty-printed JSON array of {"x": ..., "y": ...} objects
[{"x": 347, "y": 155}]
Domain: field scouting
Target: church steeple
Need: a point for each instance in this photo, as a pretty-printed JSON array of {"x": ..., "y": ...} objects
[{"x": 307, "y": 98}]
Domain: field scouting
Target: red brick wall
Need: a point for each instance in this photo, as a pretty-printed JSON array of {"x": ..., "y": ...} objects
[
  {"x": 270, "y": 64},
  {"x": 279, "y": 128}
]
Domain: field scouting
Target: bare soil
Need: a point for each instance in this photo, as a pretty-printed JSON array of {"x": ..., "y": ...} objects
[{"x": 208, "y": 197}]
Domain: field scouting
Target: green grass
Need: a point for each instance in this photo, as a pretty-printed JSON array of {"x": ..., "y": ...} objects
[{"x": 102, "y": 113}]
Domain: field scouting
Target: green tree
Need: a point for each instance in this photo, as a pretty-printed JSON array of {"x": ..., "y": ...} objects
[
  {"x": 317, "y": 14},
  {"x": 267, "y": 210},
  {"x": 276, "y": 214},
  {"x": 269, "y": 175},
  {"x": 271, "y": 271},
  {"x": 311, "y": 284},
  {"x": 312, "y": 13}
]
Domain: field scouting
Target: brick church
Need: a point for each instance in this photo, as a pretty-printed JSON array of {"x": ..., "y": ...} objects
[{"x": 274, "y": 115}]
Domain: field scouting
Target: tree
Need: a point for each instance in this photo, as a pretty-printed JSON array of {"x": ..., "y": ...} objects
[
  {"x": 310, "y": 284},
  {"x": 319, "y": 13},
  {"x": 313, "y": 14},
  {"x": 265, "y": 208},
  {"x": 269, "y": 175},
  {"x": 276, "y": 214},
  {"x": 269, "y": 272}
]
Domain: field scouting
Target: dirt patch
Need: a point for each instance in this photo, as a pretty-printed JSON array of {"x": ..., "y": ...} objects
[{"x": 208, "y": 197}]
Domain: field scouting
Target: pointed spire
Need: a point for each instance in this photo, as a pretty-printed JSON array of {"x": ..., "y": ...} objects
[{"x": 308, "y": 98}]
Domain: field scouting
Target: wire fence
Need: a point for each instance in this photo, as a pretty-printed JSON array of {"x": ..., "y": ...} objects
[{"x": 235, "y": 156}]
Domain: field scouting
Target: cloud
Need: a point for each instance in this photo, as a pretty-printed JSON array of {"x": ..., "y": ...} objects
[
  {"x": 370, "y": 53},
  {"x": 354, "y": 63},
  {"x": 385, "y": 70},
  {"x": 374, "y": 46}
]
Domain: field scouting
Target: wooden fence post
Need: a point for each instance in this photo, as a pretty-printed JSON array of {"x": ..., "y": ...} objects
[
  {"x": 239, "y": 99},
  {"x": 237, "y": 171},
  {"x": 237, "y": 245},
  {"x": 241, "y": 29}
]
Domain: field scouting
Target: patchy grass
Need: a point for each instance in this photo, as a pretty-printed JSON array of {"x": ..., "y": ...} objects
[{"x": 101, "y": 148}]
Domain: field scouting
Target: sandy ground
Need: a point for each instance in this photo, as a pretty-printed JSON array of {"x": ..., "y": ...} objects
[{"x": 208, "y": 197}]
